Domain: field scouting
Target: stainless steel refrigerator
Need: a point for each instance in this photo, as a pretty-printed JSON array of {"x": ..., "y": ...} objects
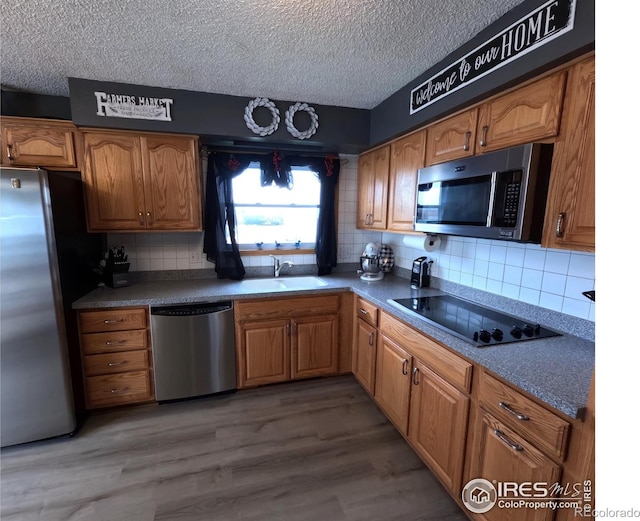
[{"x": 36, "y": 396}]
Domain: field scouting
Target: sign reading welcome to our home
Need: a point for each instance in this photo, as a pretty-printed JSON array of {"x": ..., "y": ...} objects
[
  {"x": 133, "y": 107},
  {"x": 540, "y": 26}
]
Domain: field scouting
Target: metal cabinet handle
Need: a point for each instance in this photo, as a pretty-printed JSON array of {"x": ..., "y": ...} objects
[
  {"x": 288, "y": 329},
  {"x": 414, "y": 378},
  {"x": 113, "y": 364},
  {"x": 404, "y": 366},
  {"x": 114, "y": 342},
  {"x": 364, "y": 311},
  {"x": 294, "y": 328},
  {"x": 483, "y": 138},
  {"x": 506, "y": 440},
  {"x": 140, "y": 218},
  {"x": 371, "y": 335},
  {"x": 9, "y": 156},
  {"x": 108, "y": 321},
  {"x": 114, "y": 391},
  {"x": 560, "y": 224},
  {"x": 467, "y": 138},
  {"x": 149, "y": 219},
  {"x": 508, "y": 408}
]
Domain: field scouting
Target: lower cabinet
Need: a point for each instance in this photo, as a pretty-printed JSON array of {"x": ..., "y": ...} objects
[
  {"x": 116, "y": 357},
  {"x": 424, "y": 393},
  {"x": 282, "y": 339}
]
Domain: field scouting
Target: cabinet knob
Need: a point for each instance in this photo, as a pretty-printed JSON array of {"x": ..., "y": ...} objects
[
  {"x": 560, "y": 225},
  {"x": 467, "y": 138},
  {"x": 483, "y": 138}
]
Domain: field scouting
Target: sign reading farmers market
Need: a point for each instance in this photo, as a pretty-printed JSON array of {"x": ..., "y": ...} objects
[
  {"x": 537, "y": 28},
  {"x": 133, "y": 107}
]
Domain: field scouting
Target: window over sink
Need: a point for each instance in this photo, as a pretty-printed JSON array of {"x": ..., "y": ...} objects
[{"x": 270, "y": 217}]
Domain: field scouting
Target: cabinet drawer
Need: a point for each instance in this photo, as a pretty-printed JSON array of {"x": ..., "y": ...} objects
[
  {"x": 449, "y": 366},
  {"x": 367, "y": 312},
  {"x": 113, "y": 342},
  {"x": 116, "y": 363},
  {"x": 285, "y": 308},
  {"x": 112, "y": 320},
  {"x": 540, "y": 426},
  {"x": 118, "y": 389}
]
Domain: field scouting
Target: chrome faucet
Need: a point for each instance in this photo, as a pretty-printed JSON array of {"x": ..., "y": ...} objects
[{"x": 277, "y": 265}]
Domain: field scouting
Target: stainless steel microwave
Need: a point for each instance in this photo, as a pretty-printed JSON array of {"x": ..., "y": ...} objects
[{"x": 498, "y": 195}]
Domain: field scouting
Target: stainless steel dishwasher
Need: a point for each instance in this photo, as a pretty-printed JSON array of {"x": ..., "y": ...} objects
[{"x": 193, "y": 350}]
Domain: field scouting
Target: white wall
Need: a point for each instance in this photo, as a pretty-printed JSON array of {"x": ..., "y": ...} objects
[{"x": 552, "y": 279}]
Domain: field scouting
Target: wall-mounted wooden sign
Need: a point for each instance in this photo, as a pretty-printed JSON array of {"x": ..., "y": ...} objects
[
  {"x": 133, "y": 107},
  {"x": 540, "y": 26}
]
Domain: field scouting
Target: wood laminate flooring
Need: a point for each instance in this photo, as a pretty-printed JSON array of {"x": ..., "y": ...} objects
[{"x": 317, "y": 450}]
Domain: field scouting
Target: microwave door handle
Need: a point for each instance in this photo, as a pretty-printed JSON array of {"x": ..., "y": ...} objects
[{"x": 492, "y": 196}]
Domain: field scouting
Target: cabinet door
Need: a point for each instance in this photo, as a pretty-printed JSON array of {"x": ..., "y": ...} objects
[
  {"x": 364, "y": 361},
  {"x": 113, "y": 182},
  {"x": 524, "y": 115},
  {"x": 501, "y": 455},
  {"x": 571, "y": 218},
  {"x": 314, "y": 346},
  {"x": 265, "y": 354},
  {"x": 43, "y": 145},
  {"x": 373, "y": 179},
  {"x": 453, "y": 138},
  {"x": 438, "y": 425},
  {"x": 393, "y": 382},
  {"x": 407, "y": 156},
  {"x": 171, "y": 183}
]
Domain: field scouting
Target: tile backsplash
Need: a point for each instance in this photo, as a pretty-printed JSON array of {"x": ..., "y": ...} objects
[{"x": 552, "y": 279}]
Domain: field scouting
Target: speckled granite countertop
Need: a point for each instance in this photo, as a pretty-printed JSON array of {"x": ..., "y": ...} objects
[{"x": 556, "y": 370}]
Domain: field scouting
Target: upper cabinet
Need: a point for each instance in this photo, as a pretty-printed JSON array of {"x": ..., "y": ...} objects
[
  {"x": 38, "y": 143},
  {"x": 407, "y": 156},
  {"x": 452, "y": 138},
  {"x": 373, "y": 185},
  {"x": 530, "y": 113},
  {"x": 570, "y": 216},
  {"x": 141, "y": 182}
]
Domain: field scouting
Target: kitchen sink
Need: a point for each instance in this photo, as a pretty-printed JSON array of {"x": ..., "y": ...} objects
[{"x": 282, "y": 284}]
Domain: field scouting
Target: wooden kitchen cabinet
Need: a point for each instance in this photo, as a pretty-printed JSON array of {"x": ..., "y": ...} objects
[
  {"x": 373, "y": 188},
  {"x": 32, "y": 142},
  {"x": 116, "y": 357},
  {"x": 282, "y": 339},
  {"x": 502, "y": 455},
  {"x": 570, "y": 217},
  {"x": 530, "y": 113},
  {"x": 141, "y": 182},
  {"x": 452, "y": 138},
  {"x": 407, "y": 156},
  {"x": 438, "y": 425}
]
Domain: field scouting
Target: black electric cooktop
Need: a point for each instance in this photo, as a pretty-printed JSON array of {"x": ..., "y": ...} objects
[{"x": 476, "y": 324}]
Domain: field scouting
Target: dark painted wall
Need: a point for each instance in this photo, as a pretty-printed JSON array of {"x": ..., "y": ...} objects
[
  {"x": 391, "y": 118},
  {"x": 27, "y": 105},
  {"x": 219, "y": 118}
]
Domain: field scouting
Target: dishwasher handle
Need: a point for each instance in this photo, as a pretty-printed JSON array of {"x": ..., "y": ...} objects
[{"x": 191, "y": 309}]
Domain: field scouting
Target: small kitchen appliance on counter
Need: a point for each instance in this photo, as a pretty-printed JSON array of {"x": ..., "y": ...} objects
[
  {"x": 421, "y": 273},
  {"x": 370, "y": 268}
]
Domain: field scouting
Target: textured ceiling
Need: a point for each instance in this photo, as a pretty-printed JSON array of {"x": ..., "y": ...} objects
[{"x": 352, "y": 53}]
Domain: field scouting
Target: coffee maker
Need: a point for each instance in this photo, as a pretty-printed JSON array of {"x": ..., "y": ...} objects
[{"x": 421, "y": 273}]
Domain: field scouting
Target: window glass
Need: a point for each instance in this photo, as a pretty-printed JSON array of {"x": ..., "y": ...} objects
[{"x": 267, "y": 214}]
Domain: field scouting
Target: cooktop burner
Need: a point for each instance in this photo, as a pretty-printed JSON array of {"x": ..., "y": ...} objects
[{"x": 478, "y": 325}]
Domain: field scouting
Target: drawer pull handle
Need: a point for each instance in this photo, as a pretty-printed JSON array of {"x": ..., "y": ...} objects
[
  {"x": 483, "y": 139},
  {"x": 114, "y": 391},
  {"x": 502, "y": 436},
  {"x": 140, "y": 218},
  {"x": 416, "y": 371},
  {"x": 9, "y": 156},
  {"x": 113, "y": 364},
  {"x": 467, "y": 137},
  {"x": 560, "y": 225},
  {"x": 404, "y": 366},
  {"x": 371, "y": 335},
  {"x": 364, "y": 311},
  {"x": 113, "y": 321},
  {"x": 508, "y": 408},
  {"x": 114, "y": 342}
]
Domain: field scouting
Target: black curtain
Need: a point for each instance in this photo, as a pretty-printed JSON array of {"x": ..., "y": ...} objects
[
  {"x": 276, "y": 168},
  {"x": 220, "y": 215}
]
